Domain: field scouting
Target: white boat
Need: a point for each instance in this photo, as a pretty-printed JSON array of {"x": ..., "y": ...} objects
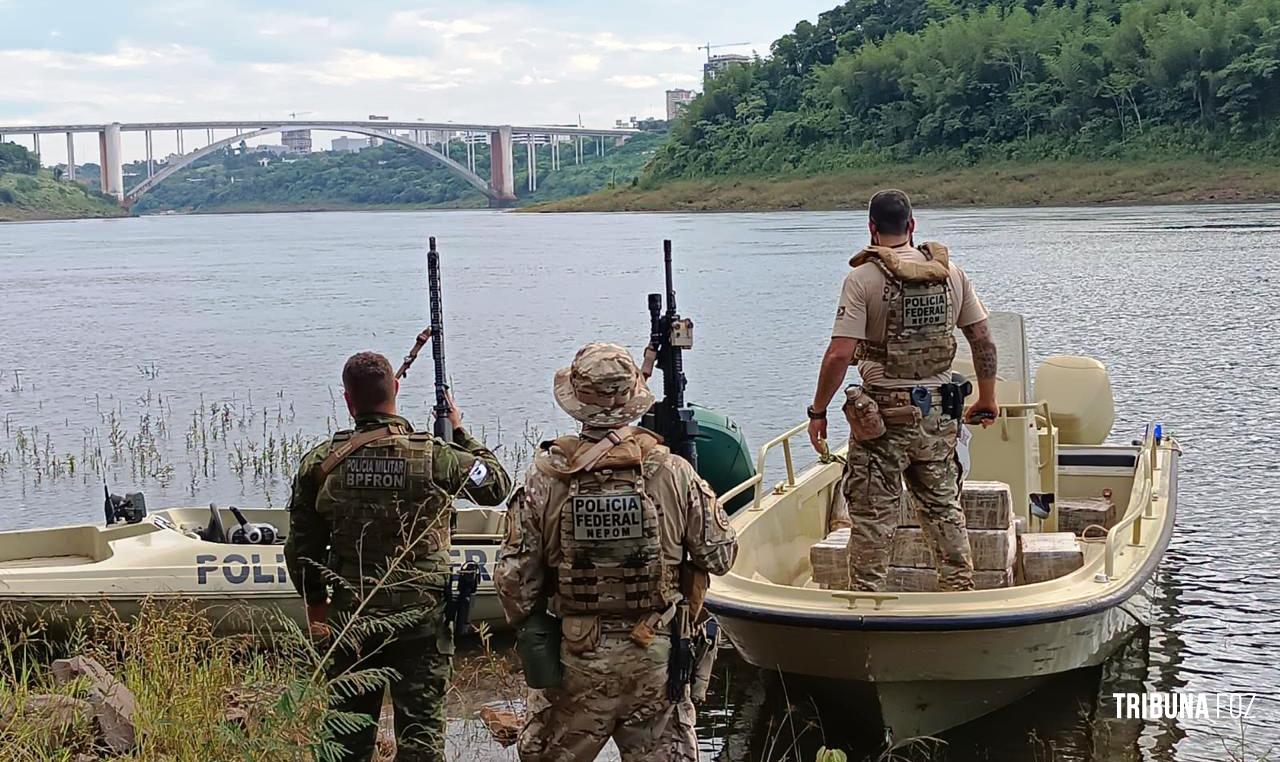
[
  {"x": 64, "y": 572},
  {"x": 930, "y": 661}
]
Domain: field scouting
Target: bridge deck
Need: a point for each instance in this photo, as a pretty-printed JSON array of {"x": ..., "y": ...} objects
[{"x": 317, "y": 125}]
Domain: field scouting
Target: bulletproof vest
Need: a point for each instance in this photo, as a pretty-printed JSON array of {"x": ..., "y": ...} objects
[
  {"x": 919, "y": 338},
  {"x": 381, "y": 502},
  {"x": 609, "y": 528}
]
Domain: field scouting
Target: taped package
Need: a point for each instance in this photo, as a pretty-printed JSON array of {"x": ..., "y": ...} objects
[
  {"x": 1077, "y": 513},
  {"x": 992, "y": 549},
  {"x": 829, "y": 558},
  {"x": 1047, "y": 555},
  {"x": 986, "y": 505},
  {"x": 911, "y": 579}
]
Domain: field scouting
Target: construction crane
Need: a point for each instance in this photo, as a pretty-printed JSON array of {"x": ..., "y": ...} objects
[
  {"x": 709, "y": 47},
  {"x": 296, "y": 114}
]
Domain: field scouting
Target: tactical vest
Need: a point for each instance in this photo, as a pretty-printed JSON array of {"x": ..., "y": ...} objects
[
  {"x": 380, "y": 500},
  {"x": 609, "y": 527},
  {"x": 919, "y": 339}
]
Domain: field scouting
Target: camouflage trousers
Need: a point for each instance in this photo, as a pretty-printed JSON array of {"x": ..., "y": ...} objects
[
  {"x": 425, "y": 666},
  {"x": 617, "y": 691},
  {"x": 925, "y": 455}
]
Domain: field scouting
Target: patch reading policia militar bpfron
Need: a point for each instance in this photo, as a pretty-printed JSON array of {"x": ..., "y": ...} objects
[
  {"x": 363, "y": 472},
  {"x": 924, "y": 307},
  {"x": 607, "y": 517}
]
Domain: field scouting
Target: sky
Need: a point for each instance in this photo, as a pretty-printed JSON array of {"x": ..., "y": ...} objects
[{"x": 518, "y": 61}]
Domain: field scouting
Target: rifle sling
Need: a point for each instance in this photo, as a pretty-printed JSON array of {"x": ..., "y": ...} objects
[
  {"x": 357, "y": 441},
  {"x": 423, "y": 338}
]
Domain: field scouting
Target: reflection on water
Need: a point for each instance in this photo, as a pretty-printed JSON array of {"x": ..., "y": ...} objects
[
  {"x": 1070, "y": 718},
  {"x": 194, "y": 357}
]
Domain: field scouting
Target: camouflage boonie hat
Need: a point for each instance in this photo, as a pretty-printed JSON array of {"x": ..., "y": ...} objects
[{"x": 603, "y": 387}]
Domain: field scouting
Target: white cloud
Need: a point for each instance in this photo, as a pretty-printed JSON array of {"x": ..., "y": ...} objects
[
  {"x": 530, "y": 79},
  {"x": 448, "y": 28},
  {"x": 123, "y": 57},
  {"x": 634, "y": 81},
  {"x": 609, "y": 41},
  {"x": 584, "y": 62}
]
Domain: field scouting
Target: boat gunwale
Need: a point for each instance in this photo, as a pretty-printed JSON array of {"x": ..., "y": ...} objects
[{"x": 719, "y": 605}]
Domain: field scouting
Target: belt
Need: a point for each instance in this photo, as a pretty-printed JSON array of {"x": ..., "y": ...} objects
[{"x": 900, "y": 397}]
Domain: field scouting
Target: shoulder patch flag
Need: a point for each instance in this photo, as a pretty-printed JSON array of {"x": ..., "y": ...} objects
[{"x": 477, "y": 473}]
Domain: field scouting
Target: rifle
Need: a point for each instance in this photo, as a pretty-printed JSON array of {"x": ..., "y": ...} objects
[
  {"x": 669, "y": 336},
  {"x": 442, "y": 427},
  {"x": 458, "y": 608}
]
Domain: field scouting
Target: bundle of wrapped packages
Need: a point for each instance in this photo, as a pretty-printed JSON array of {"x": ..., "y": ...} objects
[
  {"x": 1047, "y": 555},
  {"x": 988, "y": 510},
  {"x": 1075, "y": 514},
  {"x": 829, "y": 558}
]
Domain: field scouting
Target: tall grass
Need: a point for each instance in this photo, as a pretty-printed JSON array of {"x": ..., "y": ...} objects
[{"x": 184, "y": 679}]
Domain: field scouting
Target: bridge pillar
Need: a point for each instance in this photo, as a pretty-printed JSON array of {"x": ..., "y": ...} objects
[
  {"x": 71, "y": 156},
  {"x": 501, "y": 168},
  {"x": 109, "y": 159}
]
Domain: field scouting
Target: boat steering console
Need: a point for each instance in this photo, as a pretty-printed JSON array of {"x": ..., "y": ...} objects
[{"x": 247, "y": 533}]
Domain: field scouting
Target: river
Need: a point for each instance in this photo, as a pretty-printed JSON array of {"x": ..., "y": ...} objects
[{"x": 194, "y": 357}]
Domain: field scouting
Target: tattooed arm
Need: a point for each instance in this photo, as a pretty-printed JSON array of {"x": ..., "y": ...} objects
[{"x": 983, "y": 348}]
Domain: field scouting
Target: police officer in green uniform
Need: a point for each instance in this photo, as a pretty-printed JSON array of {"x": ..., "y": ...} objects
[{"x": 373, "y": 505}]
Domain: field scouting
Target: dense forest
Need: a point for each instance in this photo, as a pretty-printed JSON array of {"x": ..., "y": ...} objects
[
  {"x": 386, "y": 175},
  {"x": 964, "y": 81}
]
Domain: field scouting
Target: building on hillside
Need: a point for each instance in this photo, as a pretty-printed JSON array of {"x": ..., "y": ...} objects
[
  {"x": 274, "y": 150},
  {"x": 647, "y": 124},
  {"x": 677, "y": 101},
  {"x": 345, "y": 144},
  {"x": 297, "y": 141},
  {"x": 717, "y": 64}
]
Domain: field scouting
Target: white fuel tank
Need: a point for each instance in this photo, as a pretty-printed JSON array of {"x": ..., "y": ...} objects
[{"x": 1078, "y": 391}]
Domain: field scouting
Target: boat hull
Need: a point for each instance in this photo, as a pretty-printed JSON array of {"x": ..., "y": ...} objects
[
  {"x": 920, "y": 683},
  {"x": 63, "y": 574}
]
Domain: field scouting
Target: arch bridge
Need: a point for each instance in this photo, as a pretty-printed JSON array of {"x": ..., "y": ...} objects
[{"x": 431, "y": 139}]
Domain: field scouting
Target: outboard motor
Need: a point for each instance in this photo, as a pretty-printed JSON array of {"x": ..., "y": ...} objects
[
  {"x": 713, "y": 443},
  {"x": 130, "y": 509},
  {"x": 249, "y": 533}
]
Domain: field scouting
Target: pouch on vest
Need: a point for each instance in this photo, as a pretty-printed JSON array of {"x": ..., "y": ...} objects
[
  {"x": 538, "y": 644},
  {"x": 581, "y": 633},
  {"x": 907, "y": 415},
  {"x": 863, "y": 415}
]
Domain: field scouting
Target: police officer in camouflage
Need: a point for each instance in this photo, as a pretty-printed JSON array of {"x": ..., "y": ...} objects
[
  {"x": 605, "y": 526},
  {"x": 373, "y": 505},
  {"x": 898, "y": 311}
]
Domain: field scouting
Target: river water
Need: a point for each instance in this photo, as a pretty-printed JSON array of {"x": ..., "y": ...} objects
[{"x": 195, "y": 357}]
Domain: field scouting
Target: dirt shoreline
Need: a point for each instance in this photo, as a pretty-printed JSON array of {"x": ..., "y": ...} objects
[{"x": 989, "y": 185}]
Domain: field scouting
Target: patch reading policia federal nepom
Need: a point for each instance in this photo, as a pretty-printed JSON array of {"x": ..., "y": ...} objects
[
  {"x": 607, "y": 517},
  {"x": 924, "y": 307},
  {"x": 376, "y": 473}
]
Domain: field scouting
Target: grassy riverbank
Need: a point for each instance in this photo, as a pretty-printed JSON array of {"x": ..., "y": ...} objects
[
  {"x": 1064, "y": 183},
  {"x": 201, "y": 696},
  {"x": 41, "y": 197}
]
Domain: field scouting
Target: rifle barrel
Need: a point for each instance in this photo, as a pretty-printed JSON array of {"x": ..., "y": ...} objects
[{"x": 671, "y": 289}]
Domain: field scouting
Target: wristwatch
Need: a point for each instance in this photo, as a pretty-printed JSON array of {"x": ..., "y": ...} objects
[{"x": 816, "y": 415}]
